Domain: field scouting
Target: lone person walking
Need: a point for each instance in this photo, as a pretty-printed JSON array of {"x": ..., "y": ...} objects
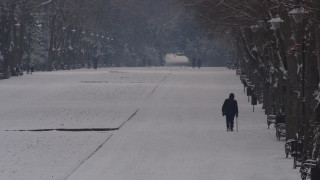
[{"x": 230, "y": 109}]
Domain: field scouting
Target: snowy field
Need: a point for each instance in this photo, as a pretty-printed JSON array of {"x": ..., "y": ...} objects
[{"x": 167, "y": 125}]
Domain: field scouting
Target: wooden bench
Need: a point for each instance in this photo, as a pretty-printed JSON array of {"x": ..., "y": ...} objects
[
  {"x": 309, "y": 168},
  {"x": 287, "y": 147},
  {"x": 280, "y": 130},
  {"x": 271, "y": 119},
  {"x": 280, "y": 126}
]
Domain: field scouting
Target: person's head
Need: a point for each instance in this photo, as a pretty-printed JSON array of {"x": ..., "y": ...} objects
[{"x": 231, "y": 96}]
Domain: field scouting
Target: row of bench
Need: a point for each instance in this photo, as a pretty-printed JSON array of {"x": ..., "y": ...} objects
[
  {"x": 279, "y": 123},
  {"x": 294, "y": 147},
  {"x": 309, "y": 169}
]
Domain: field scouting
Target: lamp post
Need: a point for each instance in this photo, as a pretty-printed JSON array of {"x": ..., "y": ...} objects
[
  {"x": 275, "y": 24},
  {"x": 298, "y": 15},
  {"x": 303, "y": 104}
]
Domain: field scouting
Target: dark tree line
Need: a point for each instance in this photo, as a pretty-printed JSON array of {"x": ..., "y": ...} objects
[{"x": 68, "y": 34}]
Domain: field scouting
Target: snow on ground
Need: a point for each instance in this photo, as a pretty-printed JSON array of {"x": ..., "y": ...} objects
[
  {"x": 45, "y": 155},
  {"x": 177, "y": 133},
  {"x": 73, "y": 99}
]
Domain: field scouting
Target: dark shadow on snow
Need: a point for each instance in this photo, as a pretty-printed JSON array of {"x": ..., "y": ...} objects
[
  {"x": 78, "y": 129},
  {"x": 67, "y": 129}
]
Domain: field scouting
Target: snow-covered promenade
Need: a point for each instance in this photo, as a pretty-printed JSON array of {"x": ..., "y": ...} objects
[{"x": 166, "y": 124}]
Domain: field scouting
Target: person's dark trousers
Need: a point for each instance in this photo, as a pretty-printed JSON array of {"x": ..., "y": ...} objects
[{"x": 230, "y": 122}]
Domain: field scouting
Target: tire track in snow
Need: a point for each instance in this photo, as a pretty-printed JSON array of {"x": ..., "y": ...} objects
[
  {"x": 81, "y": 129},
  {"x": 155, "y": 88},
  {"x": 67, "y": 129},
  {"x": 132, "y": 115},
  {"x": 84, "y": 160}
]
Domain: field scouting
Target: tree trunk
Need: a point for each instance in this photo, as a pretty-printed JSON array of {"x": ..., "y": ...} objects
[{"x": 51, "y": 44}]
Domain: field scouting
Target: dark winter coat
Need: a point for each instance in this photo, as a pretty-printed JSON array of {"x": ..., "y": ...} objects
[{"x": 230, "y": 108}]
